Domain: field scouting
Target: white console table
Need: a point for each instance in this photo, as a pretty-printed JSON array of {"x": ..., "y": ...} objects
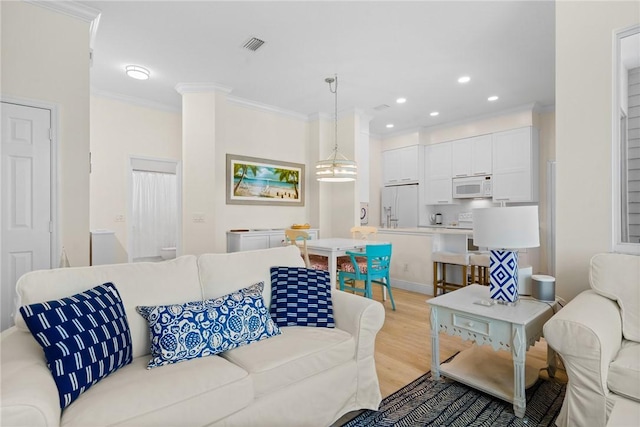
[{"x": 238, "y": 241}]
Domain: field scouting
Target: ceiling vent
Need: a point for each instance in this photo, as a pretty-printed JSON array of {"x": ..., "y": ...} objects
[
  {"x": 381, "y": 107},
  {"x": 253, "y": 44}
]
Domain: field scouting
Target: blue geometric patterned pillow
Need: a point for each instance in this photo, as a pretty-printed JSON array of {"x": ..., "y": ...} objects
[
  {"x": 301, "y": 297},
  {"x": 181, "y": 332},
  {"x": 85, "y": 337}
]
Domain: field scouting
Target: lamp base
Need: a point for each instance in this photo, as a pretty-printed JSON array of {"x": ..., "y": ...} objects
[{"x": 503, "y": 271}]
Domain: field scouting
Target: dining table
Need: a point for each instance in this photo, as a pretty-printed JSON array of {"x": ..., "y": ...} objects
[{"x": 333, "y": 247}]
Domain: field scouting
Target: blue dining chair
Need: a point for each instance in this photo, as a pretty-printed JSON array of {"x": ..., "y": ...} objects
[{"x": 377, "y": 271}]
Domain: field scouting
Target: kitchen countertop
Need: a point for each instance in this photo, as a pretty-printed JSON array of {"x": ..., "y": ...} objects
[{"x": 434, "y": 229}]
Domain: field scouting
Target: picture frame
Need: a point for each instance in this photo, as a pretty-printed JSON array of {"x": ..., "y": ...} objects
[{"x": 256, "y": 181}]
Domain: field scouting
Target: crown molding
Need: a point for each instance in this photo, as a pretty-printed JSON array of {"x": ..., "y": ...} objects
[
  {"x": 140, "y": 102},
  {"x": 400, "y": 132},
  {"x": 318, "y": 116},
  {"x": 69, "y": 8},
  {"x": 183, "y": 88},
  {"x": 265, "y": 107}
]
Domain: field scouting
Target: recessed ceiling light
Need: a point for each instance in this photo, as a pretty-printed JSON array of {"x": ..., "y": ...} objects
[
  {"x": 433, "y": 113},
  {"x": 390, "y": 125},
  {"x": 401, "y": 100},
  {"x": 492, "y": 98},
  {"x": 464, "y": 79},
  {"x": 137, "y": 72}
]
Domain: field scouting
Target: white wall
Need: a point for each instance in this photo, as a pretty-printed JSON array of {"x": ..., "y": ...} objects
[
  {"x": 120, "y": 130},
  {"x": 584, "y": 85},
  {"x": 249, "y": 132},
  {"x": 45, "y": 57}
]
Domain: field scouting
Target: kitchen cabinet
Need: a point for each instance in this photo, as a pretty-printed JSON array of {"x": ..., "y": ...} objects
[
  {"x": 238, "y": 241},
  {"x": 401, "y": 165},
  {"x": 472, "y": 156},
  {"x": 438, "y": 174},
  {"x": 515, "y": 165}
]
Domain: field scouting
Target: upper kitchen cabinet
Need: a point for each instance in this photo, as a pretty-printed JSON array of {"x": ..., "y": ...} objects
[
  {"x": 401, "y": 165},
  {"x": 515, "y": 165},
  {"x": 472, "y": 156},
  {"x": 438, "y": 174}
]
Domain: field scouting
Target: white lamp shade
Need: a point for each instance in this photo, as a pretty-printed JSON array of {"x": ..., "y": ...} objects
[{"x": 511, "y": 227}]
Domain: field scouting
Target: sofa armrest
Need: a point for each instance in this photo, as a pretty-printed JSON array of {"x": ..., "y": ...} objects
[
  {"x": 28, "y": 393},
  {"x": 587, "y": 334},
  {"x": 361, "y": 317}
]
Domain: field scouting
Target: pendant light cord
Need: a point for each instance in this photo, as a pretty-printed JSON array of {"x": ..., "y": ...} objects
[{"x": 335, "y": 117}]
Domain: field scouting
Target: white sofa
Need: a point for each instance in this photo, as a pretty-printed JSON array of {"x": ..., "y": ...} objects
[
  {"x": 304, "y": 377},
  {"x": 597, "y": 335}
]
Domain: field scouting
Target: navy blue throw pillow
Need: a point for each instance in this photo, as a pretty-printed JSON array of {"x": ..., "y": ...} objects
[
  {"x": 301, "y": 297},
  {"x": 85, "y": 337}
]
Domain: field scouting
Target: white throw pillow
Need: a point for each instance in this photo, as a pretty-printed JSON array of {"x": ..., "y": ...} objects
[{"x": 617, "y": 277}]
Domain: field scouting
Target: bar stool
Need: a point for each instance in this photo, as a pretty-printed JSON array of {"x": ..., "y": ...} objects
[
  {"x": 481, "y": 262},
  {"x": 440, "y": 262}
]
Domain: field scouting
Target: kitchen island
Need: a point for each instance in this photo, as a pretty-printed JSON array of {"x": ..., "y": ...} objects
[{"x": 411, "y": 263}]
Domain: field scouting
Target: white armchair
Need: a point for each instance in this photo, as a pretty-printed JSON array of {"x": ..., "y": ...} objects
[{"x": 597, "y": 335}]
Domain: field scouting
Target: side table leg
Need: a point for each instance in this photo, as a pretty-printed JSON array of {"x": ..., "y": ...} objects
[
  {"x": 518, "y": 352},
  {"x": 435, "y": 345},
  {"x": 552, "y": 361}
]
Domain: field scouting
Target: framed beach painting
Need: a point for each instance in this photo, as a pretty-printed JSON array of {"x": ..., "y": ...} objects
[{"x": 254, "y": 181}]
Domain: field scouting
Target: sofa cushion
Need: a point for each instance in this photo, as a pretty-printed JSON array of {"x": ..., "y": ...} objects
[
  {"x": 298, "y": 353},
  {"x": 170, "y": 396},
  {"x": 85, "y": 337},
  {"x": 624, "y": 371},
  {"x": 181, "y": 332},
  {"x": 139, "y": 283},
  {"x": 616, "y": 276},
  {"x": 301, "y": 297},
  {"x": 221, "y": 274}
]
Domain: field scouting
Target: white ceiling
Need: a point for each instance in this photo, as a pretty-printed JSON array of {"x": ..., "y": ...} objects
[{"x": 381, "y": 50}]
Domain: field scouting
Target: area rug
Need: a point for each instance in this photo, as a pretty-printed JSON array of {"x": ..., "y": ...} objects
[{"x": 425, "y": 402}]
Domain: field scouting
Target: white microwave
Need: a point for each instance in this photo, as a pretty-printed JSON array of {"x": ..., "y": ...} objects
[{"x": 472, "y": 187}]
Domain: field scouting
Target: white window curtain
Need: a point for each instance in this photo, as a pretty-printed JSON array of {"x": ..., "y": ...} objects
[{"x": 154, "y": 212}]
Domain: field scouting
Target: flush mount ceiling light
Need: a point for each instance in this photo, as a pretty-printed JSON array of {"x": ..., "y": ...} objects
[
  {"x": 401, "y": 100},
  {"x": 464, "y": 79},
  {"x": 137, "y": 72},
  {"x": 390, "y": 125},
  {"x": 336, "y": 168},
  {"x": 492, "y": 98},
  {"x": 433, "y": 113}
]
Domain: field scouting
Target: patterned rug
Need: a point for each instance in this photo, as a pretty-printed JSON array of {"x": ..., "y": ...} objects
[{"x": 425, "y": 402}]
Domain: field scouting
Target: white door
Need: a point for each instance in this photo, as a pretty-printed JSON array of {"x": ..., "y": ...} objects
[{"x": 26, "y": 198}]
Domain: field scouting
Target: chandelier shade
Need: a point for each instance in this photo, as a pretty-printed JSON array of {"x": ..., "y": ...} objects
[{"x": 336, "y": 168}]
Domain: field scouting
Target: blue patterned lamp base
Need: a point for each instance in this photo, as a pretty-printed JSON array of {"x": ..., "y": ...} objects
[{"x": 503, "y": 284}]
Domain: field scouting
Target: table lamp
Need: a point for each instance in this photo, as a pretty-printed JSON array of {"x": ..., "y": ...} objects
[{"x": 502, "y": 230}]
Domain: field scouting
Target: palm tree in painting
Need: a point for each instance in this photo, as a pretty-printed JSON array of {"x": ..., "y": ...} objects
[
  {"x": 290, "y": 176},
  {"x": 241, "y": 170}
]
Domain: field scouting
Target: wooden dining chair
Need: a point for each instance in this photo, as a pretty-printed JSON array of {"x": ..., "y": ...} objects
[
  {"x": 378, "y": 258},
  {"x": 298, "y": 238}
]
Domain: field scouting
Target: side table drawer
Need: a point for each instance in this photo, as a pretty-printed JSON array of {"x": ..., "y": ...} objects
[{"x": 471, "y": 324}]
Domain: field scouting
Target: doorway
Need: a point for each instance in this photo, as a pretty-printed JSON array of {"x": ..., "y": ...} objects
[
  {"x": 154, "y": 209},
  {"x": 27, "y": 216}
]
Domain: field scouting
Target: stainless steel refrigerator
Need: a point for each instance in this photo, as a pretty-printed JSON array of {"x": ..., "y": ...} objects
[{"x": 400, "y": 206}]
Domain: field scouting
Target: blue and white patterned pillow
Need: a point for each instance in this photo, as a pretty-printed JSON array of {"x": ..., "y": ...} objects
[
  {"x": 85, "y": 337},
  {"x": 181, "y": 332},
  {"x": 301, "y": 297}
]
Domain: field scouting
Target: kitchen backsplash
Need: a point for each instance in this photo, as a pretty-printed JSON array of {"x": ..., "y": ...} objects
[{"x": 451, "y": 213}]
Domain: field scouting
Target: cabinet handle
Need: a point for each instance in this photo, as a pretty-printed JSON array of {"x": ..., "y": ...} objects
[
  {"x": 502, "y": 199},
  {"x": 406, "y": 179},
  {"x": 461, "y": 174},
  {"x": 443, "y": 201},
  {"x": 480, "y": 173},
  {"x": 470, "y": 324}
]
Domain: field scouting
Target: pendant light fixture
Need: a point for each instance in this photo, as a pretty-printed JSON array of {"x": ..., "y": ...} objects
[{"x": 336, "y": 168}]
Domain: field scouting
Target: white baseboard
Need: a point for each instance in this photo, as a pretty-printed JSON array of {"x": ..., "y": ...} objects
[{"x": 421, "y": 288}]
